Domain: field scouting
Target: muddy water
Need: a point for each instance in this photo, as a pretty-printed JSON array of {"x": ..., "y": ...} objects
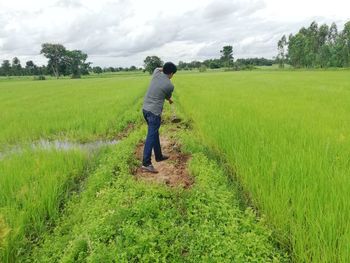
[{"x": 63, "y": 145}]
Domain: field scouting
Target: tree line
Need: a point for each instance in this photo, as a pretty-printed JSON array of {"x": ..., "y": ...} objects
[
  {"x": 217, "y": 63},
  {"x": 14, "y": 68},
  {"x": 226, "y": 60},
  {"x": 316, "y": 47},
  {"x": 99, "y": 70},
  {"x": 61, "y": 62}
]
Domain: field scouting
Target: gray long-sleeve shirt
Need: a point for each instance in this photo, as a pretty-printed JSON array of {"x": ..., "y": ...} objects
[{"x": 160, "y": 89}]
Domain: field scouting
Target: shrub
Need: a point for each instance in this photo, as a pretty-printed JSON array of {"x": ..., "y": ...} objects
[
  {"x": 40, "y": 77},
  {"x": 202, "y": 68}
]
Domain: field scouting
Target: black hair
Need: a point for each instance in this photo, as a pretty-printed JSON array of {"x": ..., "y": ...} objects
[{"x": 169, "y": 68}]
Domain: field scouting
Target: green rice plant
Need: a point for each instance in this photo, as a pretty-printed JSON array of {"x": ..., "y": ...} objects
[
  {"x": 80, "y": 110},
  {"x": 286, "y": 134},
  {"x": 33, "y": 187},
  {"x": 35, "y": 183}
]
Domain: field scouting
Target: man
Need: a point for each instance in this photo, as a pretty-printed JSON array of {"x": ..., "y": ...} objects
[{"x": 159, "y": 90}]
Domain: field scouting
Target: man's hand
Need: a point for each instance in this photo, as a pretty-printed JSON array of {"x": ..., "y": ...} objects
[{"x": 170, "y": 101}]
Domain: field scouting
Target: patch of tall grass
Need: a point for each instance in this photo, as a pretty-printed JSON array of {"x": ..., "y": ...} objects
[
  {"x": 81, "y": 109},
  {"x": 34, "y": 183},
  {"x": 33, "y": 187},
  {"x": 287, "y": 136}
]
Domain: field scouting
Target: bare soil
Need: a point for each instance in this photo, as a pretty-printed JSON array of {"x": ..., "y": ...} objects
[{"x": 172, "y": 172}]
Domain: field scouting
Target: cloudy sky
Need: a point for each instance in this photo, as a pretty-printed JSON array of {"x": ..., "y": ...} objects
[{"x": 124, "y": 32}]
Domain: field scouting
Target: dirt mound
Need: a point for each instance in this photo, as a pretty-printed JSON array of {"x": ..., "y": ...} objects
[{"x": 172, "y": 172}]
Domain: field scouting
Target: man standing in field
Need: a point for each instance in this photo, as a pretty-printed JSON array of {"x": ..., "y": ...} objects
[{"x": 159, "y": 90}]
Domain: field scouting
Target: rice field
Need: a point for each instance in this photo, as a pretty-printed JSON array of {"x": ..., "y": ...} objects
[
  {"x": 287, "y": 136},
  {"x": 75, "y": 109},
  {"x": 35, "y": 182}
]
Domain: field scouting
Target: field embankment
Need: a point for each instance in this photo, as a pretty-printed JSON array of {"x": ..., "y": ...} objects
[{"x": 131, "y": 218}]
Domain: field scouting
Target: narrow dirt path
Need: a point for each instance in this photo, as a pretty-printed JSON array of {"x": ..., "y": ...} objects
[{"x": 172, "y": 172}]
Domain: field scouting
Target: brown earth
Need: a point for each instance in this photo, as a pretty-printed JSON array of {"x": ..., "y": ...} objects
[{"x": 172, "y": 172}]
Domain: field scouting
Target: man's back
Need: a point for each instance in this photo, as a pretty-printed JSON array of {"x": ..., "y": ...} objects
[{"x": 160, "y": 89}]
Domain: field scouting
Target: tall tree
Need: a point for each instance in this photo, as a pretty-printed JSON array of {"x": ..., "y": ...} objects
[
  {"x": 312, "y": 45},
  {"x": 282, "y": 43},
  {"x": 31, "y": 68},
  {"x": 296, "y": 50},
  {"x": 6, "y": 68},
  {"x": 333, "y": 33},
  {"x": 319, "y": 46},
  {"x": 76, "y": 63},
  {"x": 346, "y": 44},
  {"x": 323, "y": 55},
  {"x": 332, "y": 43},
  {"x": 16, "y": 67},
  {"x": 56, "y": 54},
  {"x": 227, "y": 56},
  {"x": 323, "y": 34},
  {"x": 151, "y": 63}
]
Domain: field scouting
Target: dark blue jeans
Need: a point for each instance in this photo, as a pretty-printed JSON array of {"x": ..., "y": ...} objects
[{"x": 152, "y": 139}]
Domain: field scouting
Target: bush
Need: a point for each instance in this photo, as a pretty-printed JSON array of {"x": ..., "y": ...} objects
[
  {"x": 76, "y": 76},
  {"x": 202, "y": 68},
  {"x": 238, "y": 67},
  {"x": 40, "y": 77}
]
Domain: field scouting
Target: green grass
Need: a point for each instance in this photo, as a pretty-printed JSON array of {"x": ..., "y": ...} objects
[
  {"x": 76, "y": 109},
  {"x": 287, "y": 136},
  {"x": 35, "y": 184},
  {"x": 285, "y": 133},
  {"x": 119, "y": 219}
]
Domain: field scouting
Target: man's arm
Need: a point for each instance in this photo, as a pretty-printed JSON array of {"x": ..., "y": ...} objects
[{"x": 169, "y": 92}]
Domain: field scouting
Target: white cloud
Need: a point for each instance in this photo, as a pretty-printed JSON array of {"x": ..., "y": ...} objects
[{"x": 123, "y": 32}]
